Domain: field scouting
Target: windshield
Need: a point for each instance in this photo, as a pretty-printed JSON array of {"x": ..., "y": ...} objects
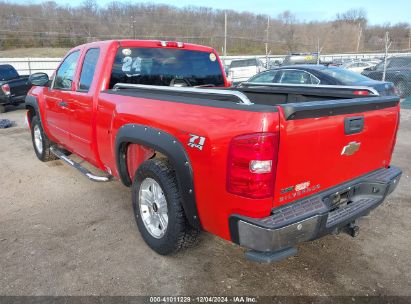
[
  {"x": 345, "y": 76},
  {"x": 7, "y": 72},
  {"x": 166, "y": 67}
]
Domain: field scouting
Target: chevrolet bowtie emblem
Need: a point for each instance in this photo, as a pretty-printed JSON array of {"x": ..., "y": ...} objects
[{"x": 351, "y": 148}]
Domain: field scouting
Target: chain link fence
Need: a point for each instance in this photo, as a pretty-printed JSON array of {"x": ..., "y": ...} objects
[
  {"x": 393, "y": 67},
  {"x": 396, "y": 69}
]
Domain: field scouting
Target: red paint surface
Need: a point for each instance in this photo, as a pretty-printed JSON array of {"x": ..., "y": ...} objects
[{"x": 309, "y": 149}]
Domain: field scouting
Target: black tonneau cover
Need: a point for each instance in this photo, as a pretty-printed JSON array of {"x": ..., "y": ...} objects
[{"x": 311, "y": 101}]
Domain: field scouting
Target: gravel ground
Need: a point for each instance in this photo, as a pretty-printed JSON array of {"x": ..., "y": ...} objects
[{"x": 61, "y": 234}]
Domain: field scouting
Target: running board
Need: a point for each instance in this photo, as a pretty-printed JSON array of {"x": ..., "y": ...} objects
[{"x": 79, "y": 167}]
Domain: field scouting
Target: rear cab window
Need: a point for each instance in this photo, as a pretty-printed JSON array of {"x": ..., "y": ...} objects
[
  {"x": 166, "y": 67},
  {"x": 88, "y": 69}
]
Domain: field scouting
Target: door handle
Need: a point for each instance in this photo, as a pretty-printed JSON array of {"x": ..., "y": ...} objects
[
  {"x": 353, "y": 125},
  {"x": 63, "y": 104}
]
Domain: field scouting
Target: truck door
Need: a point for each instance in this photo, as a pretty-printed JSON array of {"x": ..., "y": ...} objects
[
  {"x": 58, "y": 97},
  {"x": 80, "y": 126}
]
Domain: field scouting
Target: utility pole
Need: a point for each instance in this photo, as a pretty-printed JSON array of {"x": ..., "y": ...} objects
[
  {"x": 387, "y": 46},
  {"x": 318, "y": 50},
  {"x": 133, "y": 25},
  {"x": 266, "y": 42},
  {"x": 225, "y": 35},
  {"x": 409, "y": 39},
  {"x": 359, "y": 36}
]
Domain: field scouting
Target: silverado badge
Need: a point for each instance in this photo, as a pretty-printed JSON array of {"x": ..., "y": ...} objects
[{"x": 351, "y": 148}]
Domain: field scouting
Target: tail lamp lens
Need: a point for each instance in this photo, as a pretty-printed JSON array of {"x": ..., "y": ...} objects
[
  {"x": 6, "y": 89},
  {"x": 361, "y": 92},
  {"x": 252, "y": 164},
  {"x": 171, "y": 44}
]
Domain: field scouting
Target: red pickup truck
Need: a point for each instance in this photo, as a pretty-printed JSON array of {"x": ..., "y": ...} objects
[{"x": 265, "y": 166}]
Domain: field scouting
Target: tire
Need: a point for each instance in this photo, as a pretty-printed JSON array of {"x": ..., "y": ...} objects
[
  {"x": 2, "y": 109},
  {"x": 176, "y": 234},
  {"x": 41, "y": 143},
  {"x": 402, "y": 88}
]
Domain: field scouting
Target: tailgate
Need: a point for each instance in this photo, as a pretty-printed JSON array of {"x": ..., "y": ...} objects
[
  {"x": 19, "y": 87},
  {"x": 326, "y": 143}
]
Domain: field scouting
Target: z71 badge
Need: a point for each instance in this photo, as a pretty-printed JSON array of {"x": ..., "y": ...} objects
[{"x": 196, "y": 141}]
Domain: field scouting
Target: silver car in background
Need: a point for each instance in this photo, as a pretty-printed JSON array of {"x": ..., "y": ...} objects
[
  {"x": 243, "y": 69},
  {"x": 359, "y": 66}
]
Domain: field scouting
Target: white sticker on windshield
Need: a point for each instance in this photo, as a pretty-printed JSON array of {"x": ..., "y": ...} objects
[
  {"x": 131, "y": 66},
  {"x": 126, "y": 52},
  {"x": 212, "y": 57}
]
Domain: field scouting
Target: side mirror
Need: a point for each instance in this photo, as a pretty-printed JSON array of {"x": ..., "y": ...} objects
[{"x": 39, "y": 79}]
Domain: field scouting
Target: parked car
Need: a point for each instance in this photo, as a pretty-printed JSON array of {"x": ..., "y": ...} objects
[
  {"x": 324, "y": 75},
  {"x": 398, "y": 71},
  {"x": 300, "y": 58},
  {"x": 243, "y": 164},
  {"x": 358, "y": 66},
  {"x": 340, "y": 61},
  {"x": 13, "y": 87},
  {"x": 274, "y": 63},
  {"x": 240, "y": 70}
]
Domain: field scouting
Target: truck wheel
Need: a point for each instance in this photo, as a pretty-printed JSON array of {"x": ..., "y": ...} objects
[
  {"x": 2, "y": 109},
  {"x": 41, "y": 143},
  {"x": 158, "y": 210}
]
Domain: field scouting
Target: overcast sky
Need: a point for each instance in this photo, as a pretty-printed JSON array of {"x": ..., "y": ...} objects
[{"x": 378, "y": 11}]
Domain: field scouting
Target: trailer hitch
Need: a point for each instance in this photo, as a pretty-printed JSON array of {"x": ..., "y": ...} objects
[{"x": 353, "y": 229}]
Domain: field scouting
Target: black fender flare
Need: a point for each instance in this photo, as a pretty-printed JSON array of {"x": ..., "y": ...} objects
[
  {"x": 168, "y": 145},
  {"x": 32, "y": 102}
]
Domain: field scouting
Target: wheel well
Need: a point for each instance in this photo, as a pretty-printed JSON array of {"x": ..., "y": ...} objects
[
  {"x": 127, "y": 159},
  {"x": 164, "y": 144},
  {"x": 136, "y": 155},
  {"x": 31, "y": 113}
]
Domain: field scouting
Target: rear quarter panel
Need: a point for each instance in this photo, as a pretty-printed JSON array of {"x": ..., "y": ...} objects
[{"x": 217, "y": 125}]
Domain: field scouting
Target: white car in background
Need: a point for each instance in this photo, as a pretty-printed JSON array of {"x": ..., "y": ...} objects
[
  {"x": 243, "y": 69},
  {"x": 359, "y": 66}
]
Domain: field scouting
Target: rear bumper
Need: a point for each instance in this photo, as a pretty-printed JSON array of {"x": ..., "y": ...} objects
[
  {"x": 5, "y": 100},
  {"x": 314, "y": 216}
]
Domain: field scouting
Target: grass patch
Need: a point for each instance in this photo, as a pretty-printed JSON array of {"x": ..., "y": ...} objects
[{"x": 33, "y": 52}]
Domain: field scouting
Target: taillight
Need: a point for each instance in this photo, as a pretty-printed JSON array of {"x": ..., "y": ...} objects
[
  {"x": 171, "y": 44},
  {"x": 361, "y": 92},
  {"x": 6, "y": 89},
  {"x": 252, "y": 162}
]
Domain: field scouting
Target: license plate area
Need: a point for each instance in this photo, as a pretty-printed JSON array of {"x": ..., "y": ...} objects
[
  {"x": 344, "y": 197},
  {"x": 341, "y": 198}
]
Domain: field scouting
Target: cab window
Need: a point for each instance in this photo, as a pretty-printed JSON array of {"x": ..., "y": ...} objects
[
  {"x": 166, "y": 67},
  {"x": 65, "y": 73},
  {"x": 88, "y": 69}
]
